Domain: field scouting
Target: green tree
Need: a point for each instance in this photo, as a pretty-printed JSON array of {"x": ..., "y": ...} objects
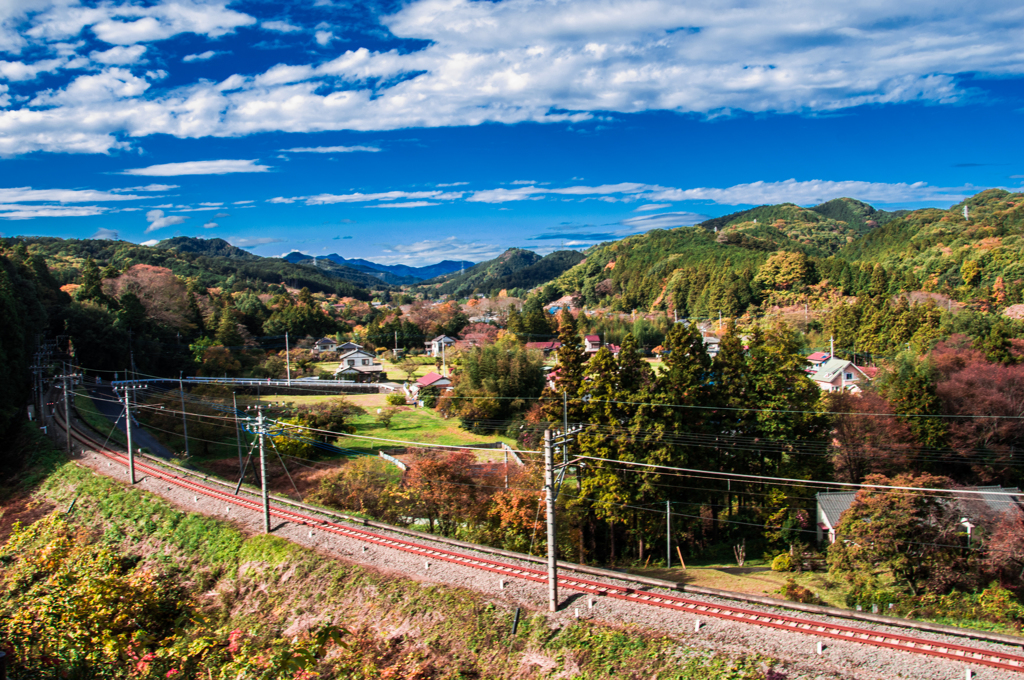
[{"x": 905, "y": 534}]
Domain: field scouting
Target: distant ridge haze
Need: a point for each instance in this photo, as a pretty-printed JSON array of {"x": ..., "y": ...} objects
[{"x": 402, "y": 270}]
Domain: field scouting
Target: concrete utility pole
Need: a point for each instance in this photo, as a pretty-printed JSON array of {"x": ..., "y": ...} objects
[
  {"x": 668, "y": 534},
  {"x": 549, "y": 485},
  {"x": 263, "y": 472},
  {"x": 184, "y": 420},
  {"x": 238, "y": 433},
  {"x": 127, "y": 391},
  {"x": 287, "y": 359},
  {"x": 67, "y": 409}
]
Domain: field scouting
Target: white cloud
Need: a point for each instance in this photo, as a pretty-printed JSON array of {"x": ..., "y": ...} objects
[
  {"x": 452, "y": 184},
  {"x": 157, "y": 220},
  {"x": 202, "y": 56},
  {"x": 664, "y": 221},
  {"x": 119, "y": 56},
  {"x": 17, "y": 70},
  {"x": 524, "y": 60},
  {"x": 330, "y": 149},
  {"x": 127, "y": 24},
  {"x": 210, "y": 225},
  {"x": 222, "y": 167},
  {"x": 816, "y": 191},
  {"x": 150, "y": 242},
  {"x": 330, "y": 199},
  {"x": 63, "y": 195},
  {"x": 280, "y": 26},
  {"x": 105, "y": 234},
  {"x": 628, "y": 189},
  {"x": 652, "y": 206},
  {"x": 148, "y": 187},
  {"x": 22, "y": 211},
  {"x": 434, "y": 250},
  {"x": 412, "y": 204},
  {"x": 324, "y": 38},
  {"x": 243, "y": 242}
]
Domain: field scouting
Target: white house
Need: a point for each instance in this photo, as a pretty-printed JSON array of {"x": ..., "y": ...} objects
[
  {"x": 836, "y": 375},
  {"x": 326, "y": 345},
  {"x": 591, "y": 343},
  {"x": 360, "y": 366},
  {"x": 436, "y": 346}
]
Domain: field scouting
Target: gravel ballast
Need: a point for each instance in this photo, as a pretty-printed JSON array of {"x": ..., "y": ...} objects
[{"x": 839, "y": 659}]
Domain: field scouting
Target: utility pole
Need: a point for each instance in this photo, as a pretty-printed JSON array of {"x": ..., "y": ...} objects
[
  {"x": 565, "y": 426},
  {"x": 128, "y": 390},
  {"x": 668, "y": 534},
  {"x": 287, "y": 361},
  {"x": 67, "y": 409},
  {"x": 444, "y": 360},
  {"x": 238, "y": 433},
  {"x": 263, "y": 472},
  {"x": 184, "y": 420},
  {"x": 549, "y": 485}
]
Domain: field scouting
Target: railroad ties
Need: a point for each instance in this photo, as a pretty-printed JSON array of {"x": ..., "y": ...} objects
[{"x": 948, "y": 651}]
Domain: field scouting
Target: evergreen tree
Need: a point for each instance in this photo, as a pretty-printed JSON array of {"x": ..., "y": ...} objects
[{"x": 571, "y": 369}]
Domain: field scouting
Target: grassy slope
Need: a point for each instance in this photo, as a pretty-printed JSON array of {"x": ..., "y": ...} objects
[{"x": 262, "y": 582}]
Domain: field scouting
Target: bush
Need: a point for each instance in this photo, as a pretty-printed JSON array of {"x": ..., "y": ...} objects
[
  {"x": 429, "y": 399},
  {"x": 795, "y": 592},
  {"x": 395, "y": 399},
  {"x": 782, "y": 563}
]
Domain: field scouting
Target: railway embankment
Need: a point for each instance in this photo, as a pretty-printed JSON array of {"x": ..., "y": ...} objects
[{"x": 265, "y": 594}]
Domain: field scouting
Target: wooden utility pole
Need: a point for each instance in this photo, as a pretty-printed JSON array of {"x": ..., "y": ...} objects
[
  {"x": 127, "y": 391},
  {"x": 549, "y": 485}
]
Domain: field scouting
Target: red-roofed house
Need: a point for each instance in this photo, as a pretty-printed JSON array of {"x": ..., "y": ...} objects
[
  {"x": 591, "y": 343},
  {"x": 545, "y": 347},
  {"x": 815, "y": 361}
]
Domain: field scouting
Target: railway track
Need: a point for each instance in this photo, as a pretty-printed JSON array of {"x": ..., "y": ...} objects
[{"x": 888, "y": 640}]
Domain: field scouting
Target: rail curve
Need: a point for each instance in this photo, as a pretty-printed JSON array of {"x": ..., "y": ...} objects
[{"x": 888, "y": 640}]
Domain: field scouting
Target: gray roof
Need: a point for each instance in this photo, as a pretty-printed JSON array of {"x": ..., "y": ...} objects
[
  {"x": 995, "y": 500},
  {"x": 827, "y": 371},
  {"x": 835, "y": 503}
]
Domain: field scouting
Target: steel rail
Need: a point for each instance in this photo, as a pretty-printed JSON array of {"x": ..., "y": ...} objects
[{"x": 916, "y": 645}]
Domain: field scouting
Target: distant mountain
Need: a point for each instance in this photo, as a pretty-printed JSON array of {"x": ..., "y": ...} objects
[
  {"x": 211, "y": 262},
  {"x": 401, "y": 273},
  {"x": 212, "y": 247},
  {"x": 515, "y": 268}
]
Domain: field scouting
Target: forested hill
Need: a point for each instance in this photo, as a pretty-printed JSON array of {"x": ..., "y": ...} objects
[
  {"x": 514, "y": 269},
  {"x": 774, "y": 254},
  {"x": 944, "y": 249},
  {"x": 212, "y": 264}
]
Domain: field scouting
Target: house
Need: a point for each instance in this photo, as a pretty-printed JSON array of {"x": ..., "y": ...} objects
[
  {"x": 348, "y": 347},
  {"x": 359, "y": 365},
  {"x": 711, "y": 343},
  {"x": 985, "y": 503},
  {"x": 431, "y": 381},
  {"x": 814, "y": 361},
  {"x": 614, "y": 349},
  {"x": 835, "y": 375},
  {"x": 831, "y": 506},
  {"x": 591, "y": 343},
  {"x": 325, "y": 345},
  {"x": 436, "y": 347},
  {"x": 545, "y": 347}
]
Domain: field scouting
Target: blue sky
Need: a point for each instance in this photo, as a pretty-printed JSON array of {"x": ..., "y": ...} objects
[{"x": 435, "y": 129}]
